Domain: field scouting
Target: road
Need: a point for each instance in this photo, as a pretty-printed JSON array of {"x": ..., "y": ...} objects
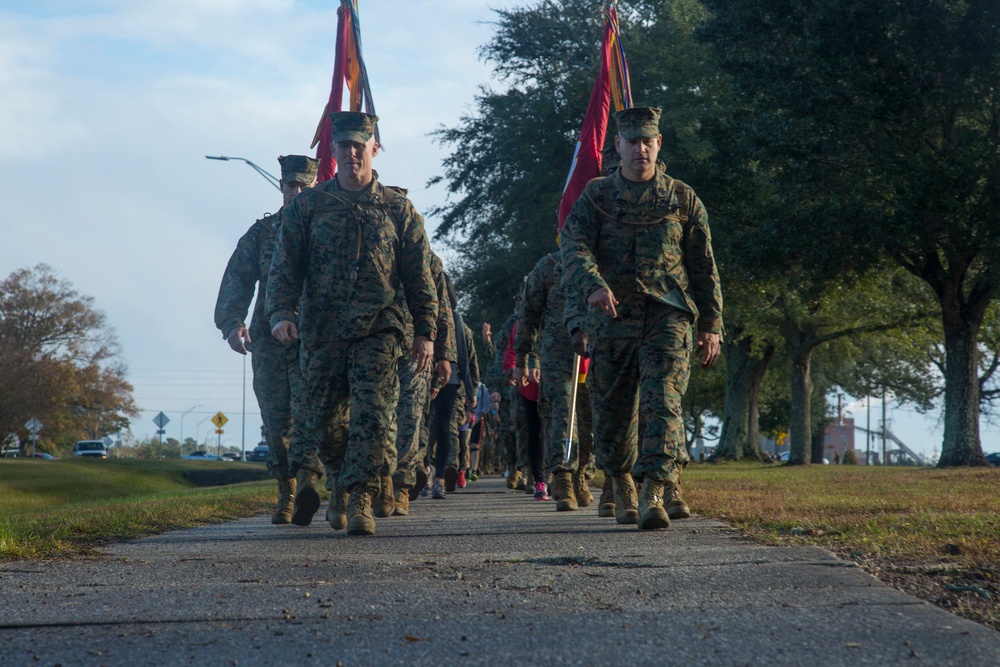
[{"x": 485, "y": 577}]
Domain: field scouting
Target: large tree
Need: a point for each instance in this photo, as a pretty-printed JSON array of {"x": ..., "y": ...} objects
[
  {"x": 59, "y": 361},
  {"x": 881, "y": 124}
]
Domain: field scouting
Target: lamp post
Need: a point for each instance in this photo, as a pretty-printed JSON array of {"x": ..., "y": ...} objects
[
  {"x": 198, "y": 427},
  {"x": 268, "y": 177},
  {"x": 182, "y": 427}
]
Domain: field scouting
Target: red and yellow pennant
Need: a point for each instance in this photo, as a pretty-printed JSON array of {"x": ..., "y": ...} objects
[{"x": 348, "y": 71}]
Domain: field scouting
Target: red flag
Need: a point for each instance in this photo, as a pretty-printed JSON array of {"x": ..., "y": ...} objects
[
  {"x": 324, "y": 153},
  {"x": 587, "y": 158}
]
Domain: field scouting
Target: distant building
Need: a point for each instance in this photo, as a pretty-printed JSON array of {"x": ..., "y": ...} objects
[{"x": 837, "y": 439}]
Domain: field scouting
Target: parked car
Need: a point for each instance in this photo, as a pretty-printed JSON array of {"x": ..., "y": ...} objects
[
  {"x": 91, "y": 448},
  {"x": 993, "y": 459},
  {"x": 45, "y": 456},
  {"x": 201, "y": 455},
  {"x": 259, "y": 454},
  {"x": 232, "y": 456}
]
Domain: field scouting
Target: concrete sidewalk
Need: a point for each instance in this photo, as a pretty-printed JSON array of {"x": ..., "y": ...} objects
[{"x": 485, "y": 577}]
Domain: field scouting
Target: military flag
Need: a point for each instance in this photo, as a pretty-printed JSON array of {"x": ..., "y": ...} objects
[
  {"x": 612, "y": 86},
  {"x": 348, "y": 70}
]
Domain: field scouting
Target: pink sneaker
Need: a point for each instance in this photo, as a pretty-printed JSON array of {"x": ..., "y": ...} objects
[
  {"x": 542, "y": 491},
  {"x": 460, "y": 481}
]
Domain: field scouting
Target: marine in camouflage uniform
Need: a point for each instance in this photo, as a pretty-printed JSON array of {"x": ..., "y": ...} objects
[
  {"x": 496, "y": 380},
  {"x": 414, "y": 394},
  {"x": 637, "y": 246},
  {"x": 462, "y": 410},
  {"x": 542, "y": 329},
  {"x": 347, "y": 246},
  {"x": 276, "y": 374}
]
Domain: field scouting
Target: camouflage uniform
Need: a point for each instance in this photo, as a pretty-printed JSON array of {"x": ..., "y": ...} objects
[
  {"x": 276, "y": 375},
  {"x": 463, "y": 405},
  {"x": 654, "y": 252},
  {"x": 414, "y": 391},
  {"x": 347, "y": 254},
  {"x": 542, "y": 315},
  {"x": 497, "y": 381}
]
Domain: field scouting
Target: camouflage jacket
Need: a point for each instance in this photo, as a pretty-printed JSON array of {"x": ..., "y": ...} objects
[
  {"x": 347, "y": 259},
  {"x": 642, "y": 249},
  {"x": 473, "y": 368},
  {"x": 445, "y": 348},
  {"x": 496, "y": 379},
  {"x": 247, "y": 267},
  {"x": 542, "y": 316}
]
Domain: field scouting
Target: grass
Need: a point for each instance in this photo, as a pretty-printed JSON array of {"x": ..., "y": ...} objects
[
  {"x": 64, "y": 509},
  {"x": 933, "y": 533}
]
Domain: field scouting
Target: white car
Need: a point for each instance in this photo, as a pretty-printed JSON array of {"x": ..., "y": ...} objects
[{"x": 91, "y": 448}]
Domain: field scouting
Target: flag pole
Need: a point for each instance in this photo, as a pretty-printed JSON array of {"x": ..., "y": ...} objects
[{"x": 568, "y": 445}]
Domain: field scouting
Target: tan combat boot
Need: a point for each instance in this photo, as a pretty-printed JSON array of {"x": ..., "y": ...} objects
[
  {"x": 582, "y": 489},
  {"x": 384, "y": 503},
  {"x": 562, "y": 485},
  {"x": 521, "y": 481},
  {"x": 626, "y": 499},
  {"x": 336, "y": 511},
  {"x": 359, "y": 512},
  {"x": 402, "y": 501},
  {"x": 306, "y": 497},
  {"x": 512, "y": 478},
  {"x": 652, "y": 516},
  {"x": 606, "y": 504},
  {"x": 286, "y": 499},
  {"x": 676, "y": 507}
]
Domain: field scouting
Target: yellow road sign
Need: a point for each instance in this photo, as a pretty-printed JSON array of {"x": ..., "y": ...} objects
[{"x": 219, "y": 420}]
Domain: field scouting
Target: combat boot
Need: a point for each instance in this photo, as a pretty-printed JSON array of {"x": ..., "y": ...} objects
[
  {"x": 336, "y": 510},
  {"x": 606, "y": 503},
  {"x": 563, "y": 491},
  {"x": 306, "y": 497},
  {"x": 359, "y": 512},
  {"x": 521, "y": 481},
  {"x": 626, "y": 499},
  {"x": 676, "y": 507},
  {"x": 384, "y": 503},
  {"x": 402, "y": 501},
  {"x": 582, "y": 489},
  {"x": 529, "y": 483},
  {"x": 652, "y": 516},
  {"x": 512, "y": 478},
  {"x": 286, "y": 499}
]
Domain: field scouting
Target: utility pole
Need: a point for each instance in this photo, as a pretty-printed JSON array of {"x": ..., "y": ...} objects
[
  {"x": 868, "y": 431},
  {"x": 884, "y": 461}
]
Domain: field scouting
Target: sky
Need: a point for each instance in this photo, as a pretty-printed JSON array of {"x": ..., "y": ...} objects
[{"x": 109, "y": 109}]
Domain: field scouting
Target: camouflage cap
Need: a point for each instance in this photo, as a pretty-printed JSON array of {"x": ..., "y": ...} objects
[
  {"x": 353, "y": 126},
  {"x": 638, "y": 122},
  {"x": 298, "y": 169}
]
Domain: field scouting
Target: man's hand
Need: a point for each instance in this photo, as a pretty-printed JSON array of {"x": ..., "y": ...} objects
[
  {"x": 604, "y": 300},
  {"x": 708, "y": 348},
  {"x": 487, "y": 333},
  {"x": 443, "y": 370},
  {"x": 580, "y": 343},
  {"x": 238, "y": 338},
  {"x": 535, "y": 375},
  {"x": 423, "y": 352},
  {"x": 285, "y": 331},
  {"x": 520, "y": 377}
]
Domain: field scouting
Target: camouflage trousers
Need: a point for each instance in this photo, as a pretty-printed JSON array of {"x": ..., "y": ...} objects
[
  {"x": 448, "y": 452},
  {"x": 506, "y": 438},
  {"x": 554, "y": 405},
  {"x": 277, "y": 383},
  {"x": 351, "y": 390},
  {"x": 648, "y": 375},
  {"x": 413, "y": 394}
]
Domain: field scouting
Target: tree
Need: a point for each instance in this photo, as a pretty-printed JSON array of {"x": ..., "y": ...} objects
[
  {"x": 58, "y": 360},
  {"x": 881, "y": 124}
]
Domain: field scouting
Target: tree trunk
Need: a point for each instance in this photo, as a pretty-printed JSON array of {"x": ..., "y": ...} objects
[
  {"x": 800, "y": 450},
  {"x": 744, "y": 374},
  {"x": 752, "y": 446},
  {"x": 961, "y": 446}
]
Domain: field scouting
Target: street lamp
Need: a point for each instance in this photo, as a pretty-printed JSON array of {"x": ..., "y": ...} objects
[
  {"x": 182, "y": 427},
  {"x": 198, "y": 427},
  {"x": 268, "y": 177}
]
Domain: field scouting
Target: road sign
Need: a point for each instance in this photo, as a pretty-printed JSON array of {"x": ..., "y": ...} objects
[
  {"x": 33, "y": 426},
  {"x": 219, "y": 431},
  {"x": 161, "y": 420},
  {"x": 219, "y": 420},
  {"x": 108, "y": 441}
]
